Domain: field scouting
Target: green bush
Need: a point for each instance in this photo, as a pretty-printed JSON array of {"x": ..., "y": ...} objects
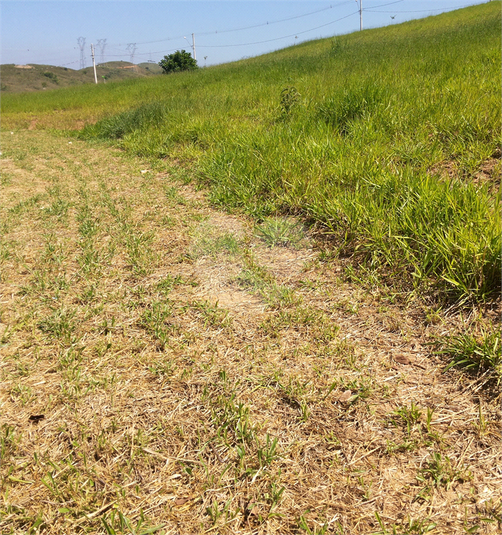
[
  {"x": 51, "y": 76},
  {"x": 178, "y": 61}
]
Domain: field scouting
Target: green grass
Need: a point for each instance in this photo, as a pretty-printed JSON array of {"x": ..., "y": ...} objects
[
  {"x": 279, "y": 231},
  {"x": 354, "y": 132},
  {"x": 481, "y": 353}
]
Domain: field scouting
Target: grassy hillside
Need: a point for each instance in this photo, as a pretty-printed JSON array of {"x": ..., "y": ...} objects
[
  {"x": 388, "y": 138},
  {"x": 22, "y": 78},
  {"x": 154, "y": 68}
]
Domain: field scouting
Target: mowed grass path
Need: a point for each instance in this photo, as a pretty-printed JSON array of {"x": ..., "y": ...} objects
[{"x": 167, "y": 368}]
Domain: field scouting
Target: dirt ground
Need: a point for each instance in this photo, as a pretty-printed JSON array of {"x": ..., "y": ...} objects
[{"x": 170, "y": 368}]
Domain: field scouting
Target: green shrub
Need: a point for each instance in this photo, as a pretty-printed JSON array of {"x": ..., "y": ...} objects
[
  {"x": 177, "y": 62},
  {"x": 53, "y": 77}
]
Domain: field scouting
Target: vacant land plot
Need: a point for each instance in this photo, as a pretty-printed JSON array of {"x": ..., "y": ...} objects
[{"x": 168, "y": 368}]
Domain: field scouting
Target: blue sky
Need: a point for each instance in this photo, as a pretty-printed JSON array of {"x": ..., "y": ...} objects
[{"x": 47, "y": 32}]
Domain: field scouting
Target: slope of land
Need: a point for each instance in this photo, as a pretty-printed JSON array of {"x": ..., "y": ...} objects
[{"x": 389, "y": 139}]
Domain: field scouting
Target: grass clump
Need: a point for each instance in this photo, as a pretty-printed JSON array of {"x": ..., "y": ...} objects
[
  {"x": 342, "y": 109},
  {"x": 481, "y": 353},
  {"x": 439, "y": 471},
  {"x": 280, "y": 231}
]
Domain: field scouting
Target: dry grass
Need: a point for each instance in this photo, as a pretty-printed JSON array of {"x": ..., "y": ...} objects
[{"x": 163, "y": 368}]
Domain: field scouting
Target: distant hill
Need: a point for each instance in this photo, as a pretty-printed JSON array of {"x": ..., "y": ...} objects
[
  {"x": 154, "y": 68},
  {"x": 32, "y": 77}
]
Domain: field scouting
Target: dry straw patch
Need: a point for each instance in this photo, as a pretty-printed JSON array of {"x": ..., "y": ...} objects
[{"x": 165, "y": 368}]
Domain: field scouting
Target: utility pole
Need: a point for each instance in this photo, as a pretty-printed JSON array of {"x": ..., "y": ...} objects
[
  {"x": 192, "y": 45},
  {"x": 361, "y": 15},
  {"x": 94, "y": 63}
]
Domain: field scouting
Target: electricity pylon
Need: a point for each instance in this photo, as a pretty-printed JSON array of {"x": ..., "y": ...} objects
[
  {"x": 101, "y": 45},
  {"x": 81, "y": 44}
]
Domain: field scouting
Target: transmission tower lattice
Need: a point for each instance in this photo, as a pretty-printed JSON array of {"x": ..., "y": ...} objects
[
  {"x": 101, "y": 45},
  {"x": 81, "y": 44},
  {"x": 131, "y": 48}
]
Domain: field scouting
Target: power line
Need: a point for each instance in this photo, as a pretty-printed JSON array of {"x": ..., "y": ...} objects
[
  {"x": 382, "y": 5},
  {"x": 361, "y": 9},
  {"x": 276, "y": 21},
  {"x": 131, "y": 45},
  {"x": 272, "y": 22},
  {"x": 331, "y": 6},
  {"x": 444, "y": 10},
  {"x": 283, "y": 37}
]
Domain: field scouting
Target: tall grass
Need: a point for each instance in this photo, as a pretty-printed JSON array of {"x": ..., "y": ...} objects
[{"x": 355, "y": 132}]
